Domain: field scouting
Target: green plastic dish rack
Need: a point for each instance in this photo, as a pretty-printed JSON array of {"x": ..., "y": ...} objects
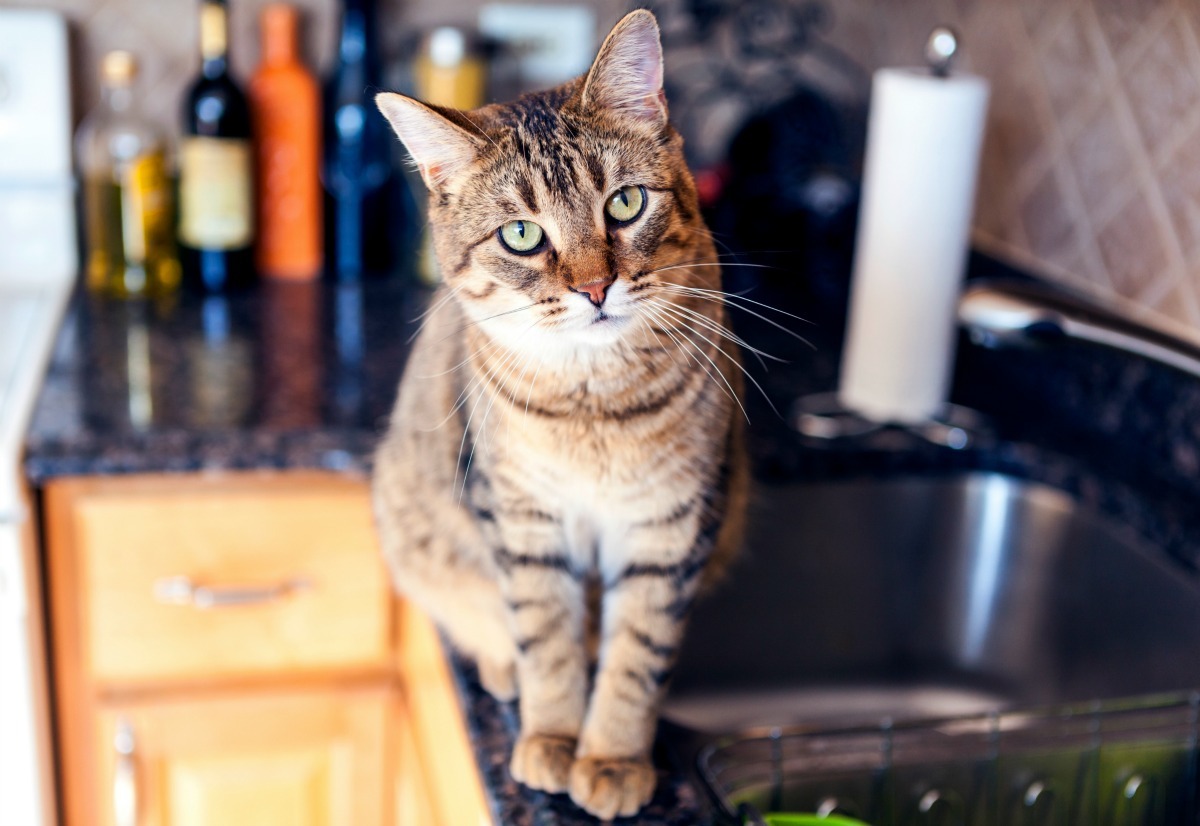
[{"x": 1115, "y": 763}]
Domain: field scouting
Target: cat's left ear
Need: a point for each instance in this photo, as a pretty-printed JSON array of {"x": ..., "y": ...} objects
[
  {"x": 627, "y": 75},
  {"x": 440, "y": 147}
]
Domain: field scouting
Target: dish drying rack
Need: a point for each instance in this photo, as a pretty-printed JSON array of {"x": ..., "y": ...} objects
[{"x": 1108, "y": 763}]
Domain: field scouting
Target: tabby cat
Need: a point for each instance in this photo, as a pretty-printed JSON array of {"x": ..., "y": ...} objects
[{"x": 563, "y": 466}]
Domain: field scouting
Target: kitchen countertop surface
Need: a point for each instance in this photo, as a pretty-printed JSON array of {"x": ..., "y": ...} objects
[{"x": 303, "y": 377}]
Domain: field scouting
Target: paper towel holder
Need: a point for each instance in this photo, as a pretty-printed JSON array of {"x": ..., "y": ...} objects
[
  {"x": 823, "y": 418},
  {"x": 940, "y": 49}
]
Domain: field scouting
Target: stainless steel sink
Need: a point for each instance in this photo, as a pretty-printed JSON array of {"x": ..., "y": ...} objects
[{"x": 914, "y": 597}]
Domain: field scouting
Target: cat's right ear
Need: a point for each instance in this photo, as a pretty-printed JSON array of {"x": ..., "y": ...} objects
[
  {"x": 627, "y": 75},
  {"x": 440, "y": 147}
]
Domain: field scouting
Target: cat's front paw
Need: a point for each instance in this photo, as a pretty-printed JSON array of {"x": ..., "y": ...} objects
[
  {"x": 543, "y": 761},
  {"x": 611, "y": 786}
]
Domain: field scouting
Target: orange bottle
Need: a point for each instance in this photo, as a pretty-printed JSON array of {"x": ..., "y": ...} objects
[{"x": 285, "y": 105}]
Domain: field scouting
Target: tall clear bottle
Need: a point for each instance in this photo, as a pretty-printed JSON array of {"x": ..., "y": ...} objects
[
  {"x": 127, "y": 205},
  {"x": 360, "y": 184},
  {"x": 216, "y": 190}
]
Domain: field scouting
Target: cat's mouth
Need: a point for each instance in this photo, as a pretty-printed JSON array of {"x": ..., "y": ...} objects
[{"x": 602, "y": 318}]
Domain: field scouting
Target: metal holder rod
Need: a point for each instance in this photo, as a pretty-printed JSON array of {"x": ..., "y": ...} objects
[{"x": 821, "y": 416}]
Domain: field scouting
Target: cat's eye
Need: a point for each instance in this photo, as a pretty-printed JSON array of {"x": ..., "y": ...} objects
[
  {"x": 626, "y": 204},
  {"x": 521, "y": 237}
]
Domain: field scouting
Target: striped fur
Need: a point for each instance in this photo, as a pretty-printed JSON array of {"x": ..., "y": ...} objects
[{"x": 542, "y": 449}]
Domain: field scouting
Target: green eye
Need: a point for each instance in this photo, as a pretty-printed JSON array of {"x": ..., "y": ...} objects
[
  {"x": 626, "y": 204},
  {"x": 521, "y": 236}
]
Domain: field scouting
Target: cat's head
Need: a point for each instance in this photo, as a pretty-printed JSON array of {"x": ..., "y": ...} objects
[{"x": 554, "y": 216}]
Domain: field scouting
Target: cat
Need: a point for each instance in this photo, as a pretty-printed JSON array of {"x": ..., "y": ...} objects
[{"x": 568, "y": 421}]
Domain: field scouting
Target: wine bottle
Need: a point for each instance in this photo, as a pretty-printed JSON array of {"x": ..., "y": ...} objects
[
  {"x": 285, "y": 104},
  {"x": 216, "y": 199},
  {"x": 357, "y": 170},
  {"x": 127, "y": 207}
]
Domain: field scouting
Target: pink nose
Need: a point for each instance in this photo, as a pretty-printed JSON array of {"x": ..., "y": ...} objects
[{"x": 595, "y": 290}]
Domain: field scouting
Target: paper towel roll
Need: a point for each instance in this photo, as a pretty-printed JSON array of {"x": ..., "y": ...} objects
[{"x": 923, "y": 141}]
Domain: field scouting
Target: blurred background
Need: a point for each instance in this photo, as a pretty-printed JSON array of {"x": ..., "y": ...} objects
[{"x": 1091, "y": 169}]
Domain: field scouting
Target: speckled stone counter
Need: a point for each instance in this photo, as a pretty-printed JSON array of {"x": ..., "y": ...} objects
[
  {"x": 283, "y": 376},
  {"x": 303, "y": 377}
]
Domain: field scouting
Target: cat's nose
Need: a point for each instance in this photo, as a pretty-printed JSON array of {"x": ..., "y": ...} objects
[{"x": 594, "y": 290}]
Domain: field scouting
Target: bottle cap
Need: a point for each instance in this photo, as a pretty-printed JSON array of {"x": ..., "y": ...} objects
[
  {"x": 118, "y": 68},
  {"x": 279, "y": 23},
  {"x": 447, "y": 46},
  {"x": 213, "y": 33}
]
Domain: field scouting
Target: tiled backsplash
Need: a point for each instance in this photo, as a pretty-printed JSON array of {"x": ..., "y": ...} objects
[
  {"x": 1091, "y": 165},
  {"x": 1091, "y": 169}
]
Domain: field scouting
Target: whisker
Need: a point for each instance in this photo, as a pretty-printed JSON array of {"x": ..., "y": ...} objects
[
  {"x": 450, "y": 293},
  {"x": 458, "y": 403},
  {"x": 466, "y": 327},
  {"x": 491, "y": 345},
  {"x": 712, "y": 236},
  {"x": 725, "y": 298},
  {"x": 665, "y": 326},
  {"x": 472, "y": 384},
  {"x": 738, "y": 296},
  {"x": 713, "y": 264},
  {"x": 737, "y": 364},
  {"x": 426, "y": 316},
  {"x": 466, "y": 469},
  {"x": 525, "y": 371},
  {"x": 658, "y": 342},
  {"x": 726, "y": 333},
  {"x": 532, "y": 384},
  {"x": 479, "y": 130},
  {"x": 731, "y": 392}
]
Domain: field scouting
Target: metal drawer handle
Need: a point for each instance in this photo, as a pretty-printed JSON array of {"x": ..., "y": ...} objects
[
  {"x": 124, "y": 792},
  {"x": 181, "y": 590}
]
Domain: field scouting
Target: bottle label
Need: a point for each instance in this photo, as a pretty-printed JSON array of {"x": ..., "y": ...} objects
[{"x": 215, "y": 204}]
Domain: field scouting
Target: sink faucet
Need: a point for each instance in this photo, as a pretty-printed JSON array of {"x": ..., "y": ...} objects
[{"x": 996, "y": 313}]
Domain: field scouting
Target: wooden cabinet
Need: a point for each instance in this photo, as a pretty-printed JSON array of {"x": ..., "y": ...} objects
[
  {"x": 227, "y": 651},
  {"x": 287, "y": 758}
]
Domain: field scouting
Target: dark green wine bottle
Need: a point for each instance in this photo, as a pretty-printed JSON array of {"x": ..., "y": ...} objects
[{"x": 216, "y": 176}]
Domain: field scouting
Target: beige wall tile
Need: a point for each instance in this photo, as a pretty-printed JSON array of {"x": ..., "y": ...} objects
[
  {"x": 1163, "y": 87},
  {"x": 1100, "y": 158},
  {"x": 1180, "y": 182},
  {"x": 1068, "y": 64},
  {"x": 1131, "y": 249}
]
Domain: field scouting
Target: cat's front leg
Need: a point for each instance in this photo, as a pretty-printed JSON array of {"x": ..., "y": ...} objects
[
  {"x": 646, "y": 602},
  {"x": 546, "y": 608}
]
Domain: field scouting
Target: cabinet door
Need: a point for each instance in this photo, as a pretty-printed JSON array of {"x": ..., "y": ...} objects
[
  {"x": 302, "y": 758},
  {"x": 413, "y": 805}
]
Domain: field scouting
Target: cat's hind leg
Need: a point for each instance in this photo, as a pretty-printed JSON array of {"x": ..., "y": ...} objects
[
  {"x": 470, "y": 612},
  {"x": 437, "y": 558}
]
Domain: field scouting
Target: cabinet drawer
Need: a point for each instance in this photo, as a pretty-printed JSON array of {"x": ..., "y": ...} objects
[
  {"x": 315, "y": 758},
  {"x": 212, "y": 578}
]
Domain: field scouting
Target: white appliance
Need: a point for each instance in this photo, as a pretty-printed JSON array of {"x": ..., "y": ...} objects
[{"x": 38, "y": 261}]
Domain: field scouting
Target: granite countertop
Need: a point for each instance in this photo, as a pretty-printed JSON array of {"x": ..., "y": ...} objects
[
  {"x": 302, "y": 376},
  {"x": 283, "y": 376}
]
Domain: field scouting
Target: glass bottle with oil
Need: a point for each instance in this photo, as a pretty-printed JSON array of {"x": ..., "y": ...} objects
[{"x": 128, "y": 208}]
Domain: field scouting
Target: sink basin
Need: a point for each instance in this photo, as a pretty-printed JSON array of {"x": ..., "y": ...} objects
[{"x": 911, "y": 597}]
